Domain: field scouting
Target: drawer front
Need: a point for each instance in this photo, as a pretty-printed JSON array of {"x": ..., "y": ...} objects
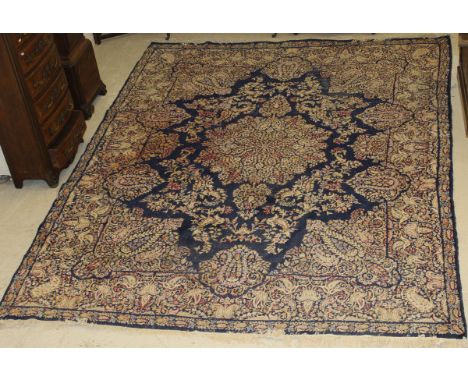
[
  {"x": 51, "y": 98},
  {"x": 20, "y": 39},
  {"x": 63, "y": 151},
  {"x": 44, "y": 73},
  {"x": 32, "y": 52},
  {"x": 54, "y": 125}
]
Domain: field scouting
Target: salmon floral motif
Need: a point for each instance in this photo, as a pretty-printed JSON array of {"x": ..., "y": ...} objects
[{"x": 302, "y": 186}]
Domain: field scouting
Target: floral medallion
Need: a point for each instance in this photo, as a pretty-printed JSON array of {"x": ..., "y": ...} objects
[{"x": 255, "y": 150}]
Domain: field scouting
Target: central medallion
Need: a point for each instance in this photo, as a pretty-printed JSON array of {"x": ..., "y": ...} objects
[{"x": 263, "y": 149}]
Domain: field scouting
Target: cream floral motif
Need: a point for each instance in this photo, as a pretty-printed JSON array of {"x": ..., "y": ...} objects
[
  {"x": 249, "y": 197},
  {"x": 278, "y": 106}
]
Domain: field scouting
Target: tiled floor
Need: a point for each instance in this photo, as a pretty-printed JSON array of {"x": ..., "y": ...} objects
[{"x": 21, "y": 212}]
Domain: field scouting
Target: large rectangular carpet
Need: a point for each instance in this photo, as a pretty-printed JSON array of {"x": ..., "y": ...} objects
[{"x": 302, "y": 186}]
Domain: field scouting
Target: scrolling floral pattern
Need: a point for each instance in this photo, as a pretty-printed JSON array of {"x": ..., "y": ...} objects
[{"x": 251, "y": 187}]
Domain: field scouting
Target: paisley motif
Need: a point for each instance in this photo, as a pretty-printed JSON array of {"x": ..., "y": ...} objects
[
  {"x": 380, "y": 184},
  {"x": 386, "y": 116},
  {"x": 132, "y": 181},
  {"x": 160, "y": 145},
  {"x": 232, "y": 272}
]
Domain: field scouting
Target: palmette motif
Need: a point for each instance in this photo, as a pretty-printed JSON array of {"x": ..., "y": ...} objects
[{"x": 252, "y": 187}]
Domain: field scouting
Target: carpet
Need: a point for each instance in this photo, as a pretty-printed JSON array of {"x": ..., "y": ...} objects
[{"x": 301, "y": 187}]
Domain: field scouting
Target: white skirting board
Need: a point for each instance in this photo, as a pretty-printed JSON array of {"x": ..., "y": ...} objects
[{"x": 3, "y": 165}]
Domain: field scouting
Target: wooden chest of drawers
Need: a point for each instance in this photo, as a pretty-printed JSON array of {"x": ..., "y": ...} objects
[
  {"x": 80, "y": 66},
  {"x": 40, "y": 129}
]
